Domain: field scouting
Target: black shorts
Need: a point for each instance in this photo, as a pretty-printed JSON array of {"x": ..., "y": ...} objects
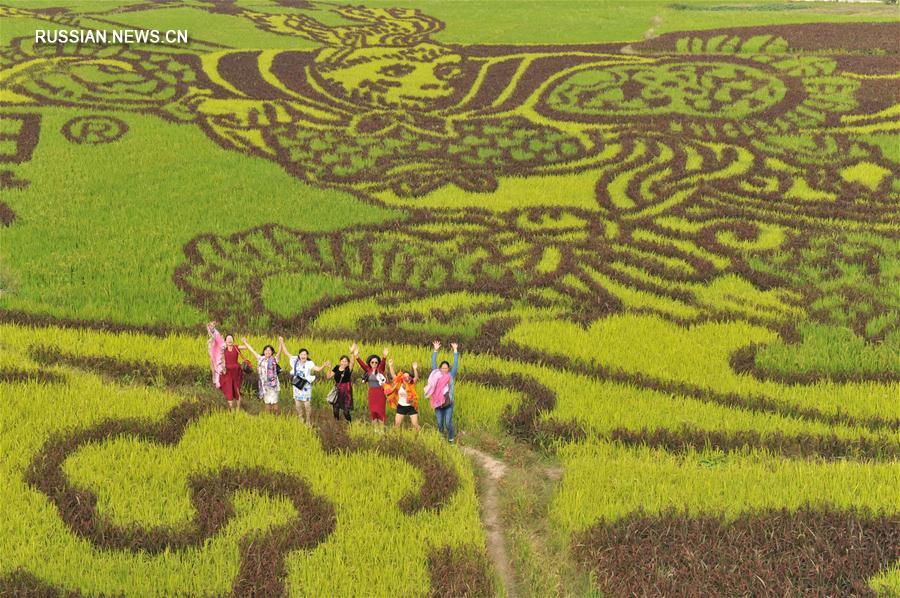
[{"x": 406, "y": 410}]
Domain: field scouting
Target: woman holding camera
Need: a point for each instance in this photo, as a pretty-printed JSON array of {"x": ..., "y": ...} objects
[{"x": 303, "y": 373}]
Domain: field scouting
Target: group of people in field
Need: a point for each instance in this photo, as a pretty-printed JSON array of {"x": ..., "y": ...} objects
[{"x": 386, "y": 387}]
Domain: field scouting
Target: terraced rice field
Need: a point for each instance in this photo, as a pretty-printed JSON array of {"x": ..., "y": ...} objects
[{"x": 666, "y": 237}]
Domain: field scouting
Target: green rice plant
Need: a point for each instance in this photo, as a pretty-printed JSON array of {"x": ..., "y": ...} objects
[
  {"x": 832, "y": 349},
  {"x": 464, "y": 307},
  {"x": 615, "y": 406},
  {"x": 699, "y": 356},
  {"x": 887, "y": 582},
  {"x": 54, "y": 272},
  {"x": 38, "y": 410},
  {"x": 605, "y": 481}
]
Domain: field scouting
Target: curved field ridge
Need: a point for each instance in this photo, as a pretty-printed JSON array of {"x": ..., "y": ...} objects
[
  {"x": 23, "y": 583},
  {"x": 262, "y": 564},
  {"x": 115, "y": 368},
  {"x": 744, "y": 361},
  {"x": 777, "y": 552},
  {"x": 683, "y": 439},
  {"x": 759, "y": 403},
  {"x": 440, "y": 481},
  {"x": 259, "y": 573}
]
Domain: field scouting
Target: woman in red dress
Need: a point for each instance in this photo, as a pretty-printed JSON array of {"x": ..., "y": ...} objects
[
  {"x": 230, "y": 381},
  {"x": 375, "y": 378}
]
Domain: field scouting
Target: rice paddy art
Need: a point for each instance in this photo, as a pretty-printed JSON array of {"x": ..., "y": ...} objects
[{"x": 670, "y": 261}]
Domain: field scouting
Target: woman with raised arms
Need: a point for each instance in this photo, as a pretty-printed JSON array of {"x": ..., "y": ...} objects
[
  {"x": 440, "y": 389},
  {"x": 343, "y": 387},
  {"x": 402, "y": 396},
  {"x": 373, "y": 375},
  {"x": 267, "y": 368},
  {"x": 303, "y": 373},
  {"x": 226, "y": 368}
]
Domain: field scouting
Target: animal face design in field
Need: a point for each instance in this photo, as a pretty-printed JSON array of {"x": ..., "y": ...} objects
[
  {"x": 415, "y": 78},
  {"x": 382, "y": 107}
]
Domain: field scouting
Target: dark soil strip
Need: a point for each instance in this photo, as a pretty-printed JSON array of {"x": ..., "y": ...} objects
[
  {"x": 23, "y": 318},
  {"x": 524, "y": 423},
  {"x": 773, "y": 553},
  {"x": 290, "y": 67},
  {"x": 262, "y": 556},
  {"x": 440, "y": 479},
  {"x": 173, "y": 376},
  {"x": 458, "y": 572},
  {"x": 756, "y": 403},
  {"x": 873, "y": 95},
  {"x": 17, "y": 376},
  {"x": 22, "y": 583},
  {"x": 500, "y": 75},
  {"x": 743, "y": 361},
  {"x": 7, "y": 216},
  {"x": 9, "y": 180},
  {"x": 845, "y": 37},
  {"x": 829, "y": 446},
  {"x": 241, "y": 69},
  {"x": 27, "y": 130}
]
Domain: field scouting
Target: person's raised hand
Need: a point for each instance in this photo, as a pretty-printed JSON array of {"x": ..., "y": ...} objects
[
  {"x": 436, "y": 345},
  {"x": 390, "y": 363},
  {"x": 385, "y": 352},
  {"x": 415, "y": 365},
  {"x": 454, "y": 346}
]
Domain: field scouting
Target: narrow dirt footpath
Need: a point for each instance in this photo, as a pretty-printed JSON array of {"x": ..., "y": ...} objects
[
  {"x": 494, "y": 470},
  {"x": 655, "y": 22}
]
